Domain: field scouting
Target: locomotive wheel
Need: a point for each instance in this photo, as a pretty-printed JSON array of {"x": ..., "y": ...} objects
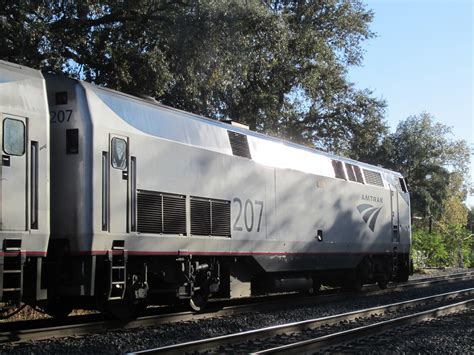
[{"x": 198, "y": 301}]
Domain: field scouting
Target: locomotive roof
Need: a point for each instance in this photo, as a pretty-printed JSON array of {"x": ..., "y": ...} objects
[{"x": 106, "y": 93}]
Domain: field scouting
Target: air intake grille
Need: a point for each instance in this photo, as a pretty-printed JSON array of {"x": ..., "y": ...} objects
[
  {"x": 239, "y": 144},
  {"x": 200, "y": 217},
  {"x": 220, "y": 218},
  {"x": 373, "y": 178},
  {"x": 210, "y": 217},
  {"x": 161, "y": 213},
  {"x": 149, "y": 212},
  {"x": 174, "y": 214}
]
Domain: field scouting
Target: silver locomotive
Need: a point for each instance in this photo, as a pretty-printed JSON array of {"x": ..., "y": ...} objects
[{"x": 150, "y": 204}]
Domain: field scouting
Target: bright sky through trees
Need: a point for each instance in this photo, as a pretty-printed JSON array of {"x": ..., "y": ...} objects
[{"x": 422, "y": 60}]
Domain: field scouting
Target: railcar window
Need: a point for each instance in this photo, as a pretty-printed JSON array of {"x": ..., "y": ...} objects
[
  {"x": 373, "y": 178},
  {"x": 350, "y": 172},
  {"x": 13, "y": 137},
  {"x": 119, "y": 153},
  {"x": 403, "y": 185},
  {"x": 338, "y": 169},
  {"x": 353, "y": 173},
  {"x": 358, "y": 174}
]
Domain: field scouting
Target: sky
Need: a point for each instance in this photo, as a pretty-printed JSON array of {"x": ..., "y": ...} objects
[{"x": 422, "y": 60}]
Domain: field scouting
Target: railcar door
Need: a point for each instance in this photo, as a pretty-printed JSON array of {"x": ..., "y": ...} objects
[
  {"x": 118, "y": 184},
  {"x": 13, "y": 209},
  {"x": 395, "y": 214}
]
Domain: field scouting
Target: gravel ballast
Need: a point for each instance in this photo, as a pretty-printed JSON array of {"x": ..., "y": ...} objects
[{"x": 120, "y": 341}]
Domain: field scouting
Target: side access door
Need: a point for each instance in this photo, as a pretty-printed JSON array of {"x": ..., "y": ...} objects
[
  {"x": 115, "y": 200},
  {"x": 395, "y": 214},
  {"x": 13, "y": 171}
]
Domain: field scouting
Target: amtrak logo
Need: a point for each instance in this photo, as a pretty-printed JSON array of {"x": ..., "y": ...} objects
[{"x": 369, "y": 214}]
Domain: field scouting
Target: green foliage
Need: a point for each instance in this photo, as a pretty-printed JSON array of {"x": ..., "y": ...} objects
[
  {"x": 452, "y": 247},
  {"x": 278, "y": 65},
  {"x": 431, "y": 160},
  {"x": 428, "y": 249}
]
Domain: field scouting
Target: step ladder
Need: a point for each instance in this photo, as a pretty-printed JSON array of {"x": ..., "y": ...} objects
[
  {"x": 395, "y": 263},
  {"x": 11, "y": 272},
  {"x": 118, "y": 271}
]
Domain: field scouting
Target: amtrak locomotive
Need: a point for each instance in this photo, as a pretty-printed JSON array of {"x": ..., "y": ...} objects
[{"x": 113, "y": 202}]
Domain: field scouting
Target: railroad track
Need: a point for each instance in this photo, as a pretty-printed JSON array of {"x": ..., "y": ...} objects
[
  {"x": 306, "y": 337},
  {"x": 13, "y": 332}
]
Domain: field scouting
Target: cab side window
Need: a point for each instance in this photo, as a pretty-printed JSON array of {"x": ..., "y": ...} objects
[
  {"x": 13, "y": 137},
  {"x": 403, "y": 185},
  {"x": 119, "y": 153}
]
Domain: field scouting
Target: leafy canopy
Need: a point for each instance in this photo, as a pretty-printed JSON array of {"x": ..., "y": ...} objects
[{"x": 278, "y": 65}]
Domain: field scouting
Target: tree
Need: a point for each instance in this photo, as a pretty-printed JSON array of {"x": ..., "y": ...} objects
[
  {"x": 278, "y": 65},
  {"x": 430, "y": 159}
]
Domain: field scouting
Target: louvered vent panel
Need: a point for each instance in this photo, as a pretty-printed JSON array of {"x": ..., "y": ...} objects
[
  {"x": 149, "y": 212},
  {"x": 200, "y": 217},
  {"x": 373, "y": 178},
  {"x": 220, "y": 218},
  {"x": 239, "y": 144},
  {"x": 174, "y": 214}
]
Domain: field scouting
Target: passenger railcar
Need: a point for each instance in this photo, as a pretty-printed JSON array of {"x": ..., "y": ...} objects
[
  {"x": 24, "y": 184},
  {"x": 150, "y": 203}
]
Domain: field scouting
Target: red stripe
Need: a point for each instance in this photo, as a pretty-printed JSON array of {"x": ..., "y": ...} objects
[
  {"x": 23, "y": 252},
  {"x": 142, "y": 252}
]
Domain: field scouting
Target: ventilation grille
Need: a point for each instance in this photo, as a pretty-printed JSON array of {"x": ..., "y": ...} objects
[
  {"x": 149, "y": 212},
  {"x": 373, "y": 178},
  {"x": 239, "y": 144},
  {"x": 210, "y": 217},
  {"x": 220, "y": 218},
  {"x": 338, "y": 169},
  {"x": 174, "y": 214},
  {"x": 200, "y": 217},
  {"x": 354, "y": 173},
  {"x": 161, "y": 213}
]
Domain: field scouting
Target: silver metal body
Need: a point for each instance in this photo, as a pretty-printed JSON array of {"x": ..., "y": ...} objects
[
  {"x": 288, "y": 210},
  {"x": 24, "y": 183}
]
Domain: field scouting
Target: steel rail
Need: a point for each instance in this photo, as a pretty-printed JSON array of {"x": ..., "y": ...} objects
[
  {"x": 212, "y": 343},
  {"x": 24, "y": 331},
  {"x": 351, "y": 335}
]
